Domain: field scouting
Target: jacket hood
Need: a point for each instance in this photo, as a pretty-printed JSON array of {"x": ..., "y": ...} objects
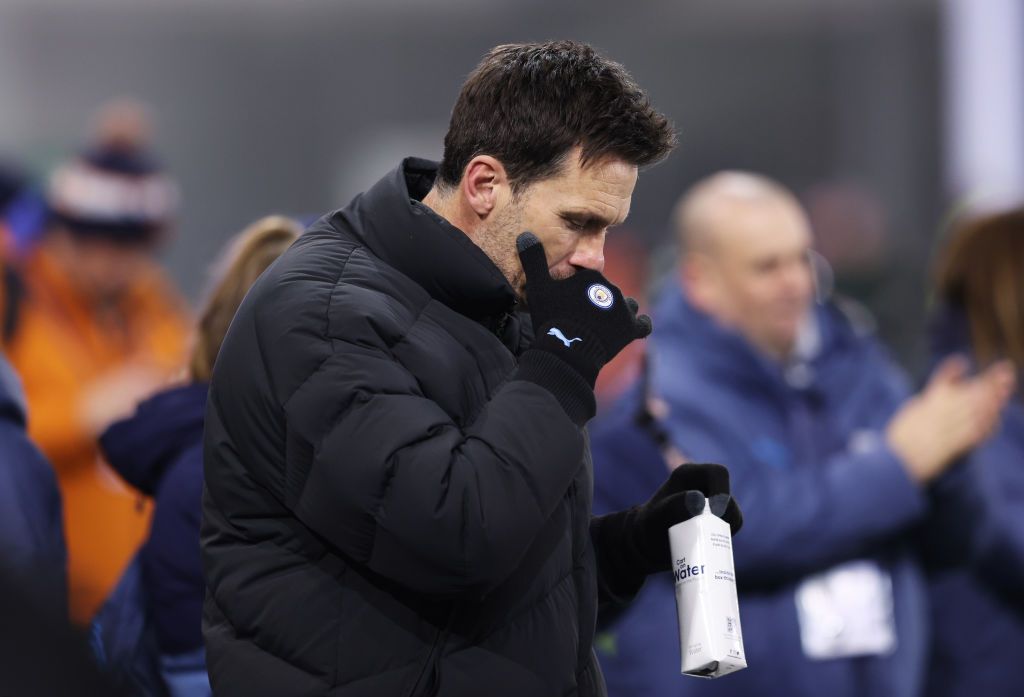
[
  {"x": 142, "y": 446},
  {"x": 722, "y": 352},
  {"x": 397, "y": 227}
]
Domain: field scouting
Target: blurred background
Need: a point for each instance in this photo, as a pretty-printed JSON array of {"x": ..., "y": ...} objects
[
  {"x": 887, "y": 118},
  {"x": 264, "y": 105}
]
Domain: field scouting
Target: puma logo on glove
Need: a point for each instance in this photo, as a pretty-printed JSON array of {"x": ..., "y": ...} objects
[{"x": 557, "y": 333}]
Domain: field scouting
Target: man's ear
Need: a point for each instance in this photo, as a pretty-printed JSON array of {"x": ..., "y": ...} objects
[
  {"x": 698, "y": 280},
  {"x": 485, "y": 186}
]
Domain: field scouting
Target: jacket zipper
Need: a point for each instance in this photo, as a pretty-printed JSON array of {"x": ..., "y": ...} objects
[{"x": 429, "y": 669}]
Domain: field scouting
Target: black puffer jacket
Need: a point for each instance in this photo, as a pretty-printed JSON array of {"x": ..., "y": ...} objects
[{"x": 390, "y": 509}]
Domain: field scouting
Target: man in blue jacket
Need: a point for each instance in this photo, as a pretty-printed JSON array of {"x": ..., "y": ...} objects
[
  {"x": 31, "y": 522},
  {"x": 827, "y": 453}
]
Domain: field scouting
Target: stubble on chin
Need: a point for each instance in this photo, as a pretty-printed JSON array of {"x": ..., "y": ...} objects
[
  {"x": 518, "y": 283},
  {"x": 517, "y": 279}
]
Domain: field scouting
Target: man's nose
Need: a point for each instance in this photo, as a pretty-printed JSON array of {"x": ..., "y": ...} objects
[{"x": 589, "y": 253}]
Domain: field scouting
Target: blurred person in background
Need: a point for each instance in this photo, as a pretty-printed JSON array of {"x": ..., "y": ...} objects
[
  {"x": 41, "y": 655},
  {"x": 158, "y": 450},
  {"x": 92, "y": 325},
  {"x": 398, "y": 484},
  {"x": 978, "y": 600},
  {"x": 32, "y": 547},
  {"x": 827, "y": 450}
]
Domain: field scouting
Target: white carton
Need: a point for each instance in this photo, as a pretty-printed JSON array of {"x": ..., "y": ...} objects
[{"x": 710, "y": 638}]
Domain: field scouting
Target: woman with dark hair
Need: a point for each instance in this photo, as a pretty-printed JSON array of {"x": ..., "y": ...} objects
[
  {"x": 159, "y": 451},
  {"x": 978, "y": 604}
]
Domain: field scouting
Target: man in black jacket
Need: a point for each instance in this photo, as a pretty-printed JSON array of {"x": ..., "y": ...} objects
[{"x": 398, "y": 483}]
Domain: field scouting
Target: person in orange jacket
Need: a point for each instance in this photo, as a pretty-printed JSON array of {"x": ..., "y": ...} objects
[{"x": 93, "y": 326}]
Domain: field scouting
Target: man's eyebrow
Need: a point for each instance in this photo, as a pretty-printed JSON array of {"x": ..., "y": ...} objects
[{"x": 587, "y": 219}]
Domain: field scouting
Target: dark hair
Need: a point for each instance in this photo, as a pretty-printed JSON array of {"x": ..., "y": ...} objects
[
  {"x": 528, "y": 105},
  {"x": 981, "y": 270}
]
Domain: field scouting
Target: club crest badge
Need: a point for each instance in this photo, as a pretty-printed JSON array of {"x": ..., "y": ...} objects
[{"x": 600, "y": 295}]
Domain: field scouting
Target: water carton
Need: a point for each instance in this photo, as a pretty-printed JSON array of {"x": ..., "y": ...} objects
[{"x": 711, "y": 641}]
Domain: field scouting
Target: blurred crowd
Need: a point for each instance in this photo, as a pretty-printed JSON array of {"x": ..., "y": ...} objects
[{"x": 883, "y": 548}]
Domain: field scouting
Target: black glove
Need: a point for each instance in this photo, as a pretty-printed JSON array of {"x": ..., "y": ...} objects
[
  {"x": 583, "y": 319},
  {"x": 633, "y": 543},
  {"x": 580, "y": 323}
]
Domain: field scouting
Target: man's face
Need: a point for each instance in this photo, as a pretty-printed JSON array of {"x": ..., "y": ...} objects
[
  {"x": 102, "y": 269},
  {"x": 757, "y": 276},
  {"x": 570, "y": 213}
]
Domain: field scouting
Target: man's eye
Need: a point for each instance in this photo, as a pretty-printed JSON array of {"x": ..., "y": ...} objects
[{"x": 575, "y": 225}]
